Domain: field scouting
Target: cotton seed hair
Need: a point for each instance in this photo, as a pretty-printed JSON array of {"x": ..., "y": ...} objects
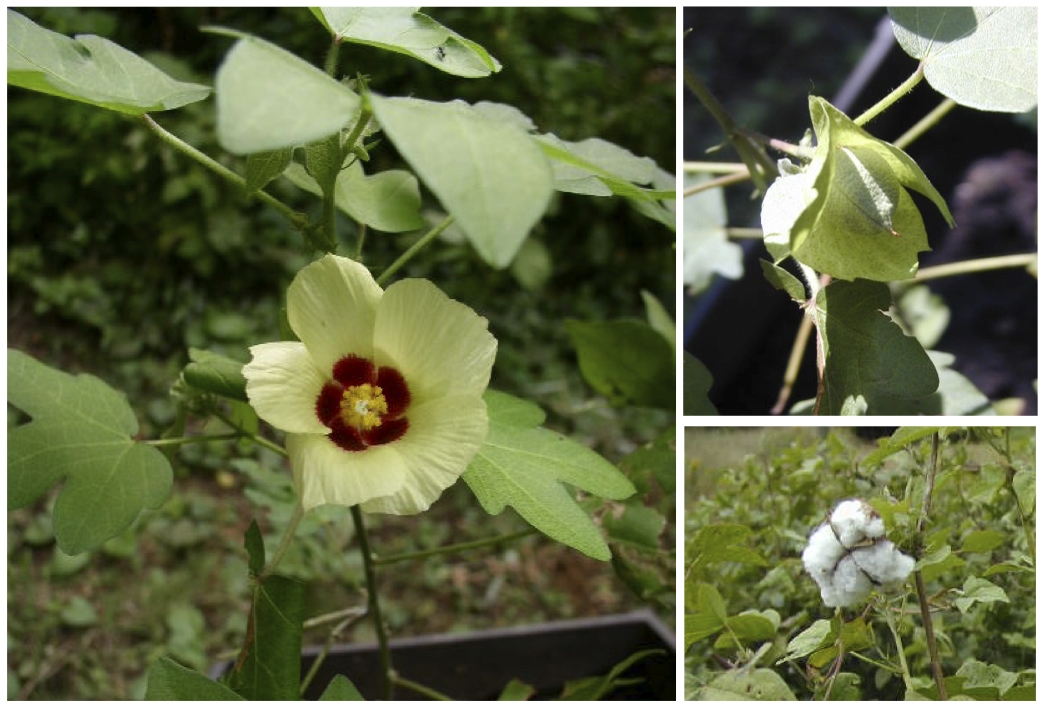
[{"x": 848, "y": 555}]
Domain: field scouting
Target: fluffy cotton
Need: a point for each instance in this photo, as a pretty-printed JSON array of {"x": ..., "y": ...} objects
[{"x": 848, "y": 555}]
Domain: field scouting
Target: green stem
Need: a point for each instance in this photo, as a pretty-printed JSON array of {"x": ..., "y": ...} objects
[
  {"x": 980, "y": 265},
  {"x": 420, "y": 689},
  {"x": 925, "y": 123},
  {"x": 726, "y": 180},
  {"x": 334, "y": 633},
  {"x": 331, "y": 59},
  {"x": 374, "y": 603},
  {"x": 892, "y": 97},
  {"x": 298, "y": 220},
  {"x": 284, "y": 543},
  {"x": 921, "y": 592},
  {"x": 453, "y": 548},
  {"x": 745, "y": 233},
  {"x": 714, "y": 167},
  {"x": 906, "y": 677},
  {"x": 413, "y": 250},
  {"x": 259, "y": 440},
  {"x": 192, "y": 439}
]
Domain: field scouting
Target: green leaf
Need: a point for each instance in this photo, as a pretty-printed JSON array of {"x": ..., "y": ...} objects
[
  {"x": 721, "y": 542},
  {"x": 978, "y": 590},
  {"x": 867, "y": 357},
  {"x": 254, "y": 544},
  {"x": 340, "y": 688},
  {"x": 269, "y": 99},
  {"x": 981, "y": 57},
  {"x": 848, "y": 214},
  {"x": 697, "y": 384},
  {"x": 818, "y": 635},
  {"x": 91, "y": 70},
  {"x": 524, "y": 466},
  {"x": 955, "y": 396},
  {"x": 215, "y": 373},
  {"x": 898, "y": 441},
  {"x": 698, "y": 626},
  {"x": 406, "y": 31},
  {"x": 628, "y": 362},
  {"x": 388, "y": 201},
  {"x": 749, "y": 626},
  {"x": 742, "y": 685},
  {"x": 783, "y": 280},
  {"x": 489, "y": 175},
  {"x": 637, "y": 526},
  {"x": 597, "y": 688},
  {"x": 707, "y": 250},
  {"x": 659, "y": 318},
  {"x": 517, "y": 691},
  {"x": 1024, "y": 484},
  {"x": 983, "y": 541},
  {"x": 262, "y": 167},
  {"x": 269, "y": 666},
  {"x": 169, "y": 681},
  {"x": 658, "y": 460},
  {"x": 989, "y": 680},
  {"x": 82, "y": 431}
]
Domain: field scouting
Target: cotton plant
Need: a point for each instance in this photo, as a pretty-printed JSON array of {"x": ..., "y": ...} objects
[
  {"x": 849, "y": 555},
  {"x": 380, "y": 391}
]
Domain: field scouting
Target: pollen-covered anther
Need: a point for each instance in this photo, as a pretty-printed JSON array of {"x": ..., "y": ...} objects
[{"x": 363, "y": 407}]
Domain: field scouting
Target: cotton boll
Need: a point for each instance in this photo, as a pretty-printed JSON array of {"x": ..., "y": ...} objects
[
  {"x": 850, "y": 584},
  {"x": 854, "y": 521},
  {"x": 883, "y": 563},
  {"x": 822, "y": 553}
]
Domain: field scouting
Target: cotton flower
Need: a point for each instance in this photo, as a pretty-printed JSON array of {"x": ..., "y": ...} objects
[
  {"x": 848, "y": 555},
  {"x": 382, "y": 397}
]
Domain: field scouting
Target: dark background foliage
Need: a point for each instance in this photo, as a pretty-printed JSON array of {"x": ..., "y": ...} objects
[
  {"x": 762, "y": 63},
  {"x": 122, "y": 253}
]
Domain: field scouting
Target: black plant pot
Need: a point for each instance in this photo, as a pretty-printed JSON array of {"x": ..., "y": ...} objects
[{"x": 477, "y": 665}]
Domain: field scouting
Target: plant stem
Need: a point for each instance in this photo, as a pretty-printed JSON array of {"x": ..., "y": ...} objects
[
  {"x": 284, "y": 543},
  {"x": 728, "y": 179},
  {"x": 178, "y": 441},
  {"x": 259, "y": 440},
  {"x": 321, "y": 657},
  {"x": 298, "y": 220},
  {"x": 906, "y": 677},
  {"x": 761, "y": 167},
  {"x": 789, "y": 379},
  {"x": 714, "y": 167},
  {"x": 892, "y": 97},
  {"x": 413, "y": 250},
  {"x": 374, "y": 603},
  {"x": 331, "y": 59},
  {"x": 420, "y": 689},
  {"x": 453, "y": 548},
  {"x": 745, "y": 233},
  {"x": 921, "y": 592},
  {"x": 971, "y": 266},
  {"x": 925, "y": 123}
]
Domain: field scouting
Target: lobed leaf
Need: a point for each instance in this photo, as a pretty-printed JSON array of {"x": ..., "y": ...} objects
[
  {"x": 388, "y": 201},
  {"x": 169, "y": 681},
  {"x": 269, "y": 665},
  {"x": 487, "y": 174},
  {"x": 525, "y": 466},
  {"x": 90, "y": 69},
  {"x": 628, "y": 362},
  {"x": 406, "y": 31},
  {"x": 981, "y": 57},
  {"x": 867, "y": 357},
  {"x": 81, "y": 433},
  {"x": 269, "y": 99}
]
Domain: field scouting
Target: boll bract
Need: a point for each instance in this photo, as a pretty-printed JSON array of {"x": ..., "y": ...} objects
[{"x": 848, "y": 555}]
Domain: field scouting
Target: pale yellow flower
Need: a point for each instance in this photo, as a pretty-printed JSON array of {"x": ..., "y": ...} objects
[{"x": 381, "y": 399}]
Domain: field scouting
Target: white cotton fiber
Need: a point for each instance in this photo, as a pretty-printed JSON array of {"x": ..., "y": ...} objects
[{"x": 848, "y": 555}]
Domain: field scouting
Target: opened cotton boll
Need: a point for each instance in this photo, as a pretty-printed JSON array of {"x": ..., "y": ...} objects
[{"x": 848, "y": 555}]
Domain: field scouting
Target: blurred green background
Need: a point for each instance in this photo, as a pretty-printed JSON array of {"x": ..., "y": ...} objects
[{"x": 122, "y": 253}]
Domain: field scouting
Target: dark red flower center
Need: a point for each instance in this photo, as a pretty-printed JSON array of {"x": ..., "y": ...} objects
[{"x": 363, "y": 405}]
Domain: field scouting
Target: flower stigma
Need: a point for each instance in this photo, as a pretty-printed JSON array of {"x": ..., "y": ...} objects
[{"x": 363, "y": 406}]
